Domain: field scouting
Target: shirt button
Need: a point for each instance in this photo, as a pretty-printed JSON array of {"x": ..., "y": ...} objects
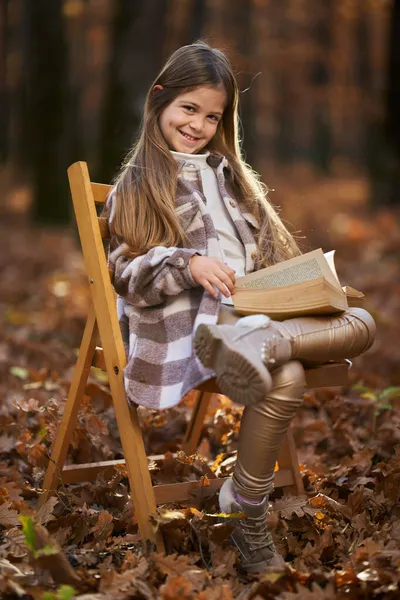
[
  {"x": 142, "y": 379},
  {"x": 254, "y": 255},
  {"x": 232, "y": 203}
]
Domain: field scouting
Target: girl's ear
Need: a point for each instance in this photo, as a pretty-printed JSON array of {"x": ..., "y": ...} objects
[{"x": 157, "y": 88}]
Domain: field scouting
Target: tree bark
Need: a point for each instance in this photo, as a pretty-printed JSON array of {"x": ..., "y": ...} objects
[
  {"x": 4, "y": 96},
  {"x": 136, "y": 55},
  {"x": 44, "y": 109}
]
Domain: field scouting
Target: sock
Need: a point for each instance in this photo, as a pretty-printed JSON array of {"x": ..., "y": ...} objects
[{"x": 248, "y": 500}]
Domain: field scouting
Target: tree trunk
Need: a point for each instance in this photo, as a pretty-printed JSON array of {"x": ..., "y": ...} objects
[
  {"x": 4, "y": 96},
  {"x": 136, "y": 55},
  {"x": 44, "y": 110},
  {"x": 383, "y": 157}
]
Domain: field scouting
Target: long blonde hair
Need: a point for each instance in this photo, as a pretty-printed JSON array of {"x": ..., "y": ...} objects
[{"x": 143, "y": 211}]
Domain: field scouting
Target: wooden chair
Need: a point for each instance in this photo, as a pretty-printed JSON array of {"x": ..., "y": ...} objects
[{"x": 102, "y": 319}]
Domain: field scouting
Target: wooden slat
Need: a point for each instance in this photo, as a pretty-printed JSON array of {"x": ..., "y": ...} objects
[
  {"x": 195, "y": 426},
  {"x": 287, "y": 460},
  {"x": 100, "y": 192},
  {"x": 98, "y": 359},
  {"x": 181, "y": 492},
  {"x": 104, "y": 229},
  {"x": 172, "y": 492},
  {"x": 331, "y": 374},
  {"x": 68, "y": 421}
]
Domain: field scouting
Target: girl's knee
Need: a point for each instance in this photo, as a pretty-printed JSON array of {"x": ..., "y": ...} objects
[
  {"x": 367, "y": 320},
  {"x": 289, "y": 382}
]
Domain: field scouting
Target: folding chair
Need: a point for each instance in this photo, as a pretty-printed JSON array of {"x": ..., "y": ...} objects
[{"x": 102, "y": 319}]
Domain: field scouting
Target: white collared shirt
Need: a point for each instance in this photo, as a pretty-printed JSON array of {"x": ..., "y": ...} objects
[{"x": 232, "y": 251}]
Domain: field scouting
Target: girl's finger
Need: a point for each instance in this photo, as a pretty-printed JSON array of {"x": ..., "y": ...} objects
[
  {"x": 216, "y": 282},
  {"x": 230, "y": 272},
  {"x": 209, "y": 288},
  {"x": 226, "y": 280}
]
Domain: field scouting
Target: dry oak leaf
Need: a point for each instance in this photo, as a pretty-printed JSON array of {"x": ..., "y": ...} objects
[
  {"x": 326, "y": 502},
  {"x": 12, "y": 490},
  {"x": 309, "y": 558},
  {"x": 175, "y": 565},
  {"x": 177, "y": 588},
  {"x": 104, "y": 526},
  {"x": 120, "y": 585},
  {"x": 217, "y": 593},
  {"x": 8, "y": 518},
  {"x": 14, "y": 543},
  {"x": 289, "y": 505},
  {"x": 45, "y": 512},
  {"x": 316, "y": 593}
]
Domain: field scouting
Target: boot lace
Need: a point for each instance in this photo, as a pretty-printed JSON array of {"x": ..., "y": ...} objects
[{"x": 256, "y": 533}]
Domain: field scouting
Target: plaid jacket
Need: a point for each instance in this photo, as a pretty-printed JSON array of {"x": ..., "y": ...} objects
[{"x": 160, "y": 305}]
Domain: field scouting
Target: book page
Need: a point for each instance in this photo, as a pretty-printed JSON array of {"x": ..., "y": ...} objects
[
  {"x": 306, "y": 267},
  {"x": 330, "y": 259}
]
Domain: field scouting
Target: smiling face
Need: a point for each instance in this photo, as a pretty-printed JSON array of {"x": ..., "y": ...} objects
[{"x": 190, "y": 122}]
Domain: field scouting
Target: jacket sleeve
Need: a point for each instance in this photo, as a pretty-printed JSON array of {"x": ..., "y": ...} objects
[{"x": 148, "y": 279}]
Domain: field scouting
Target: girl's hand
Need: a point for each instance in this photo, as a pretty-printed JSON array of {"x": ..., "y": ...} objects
[{"x": 212, "y": 273}]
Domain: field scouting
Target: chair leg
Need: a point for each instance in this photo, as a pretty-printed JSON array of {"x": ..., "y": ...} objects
[
  {"x": 195, "y": 426},
  {"x": 287, "y": 459},
  {"x": 141, "y": 486},
  {"x": 68, "y": 421}
]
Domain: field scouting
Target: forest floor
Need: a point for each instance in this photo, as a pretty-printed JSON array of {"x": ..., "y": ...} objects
[{"x": 340, "y": 540}]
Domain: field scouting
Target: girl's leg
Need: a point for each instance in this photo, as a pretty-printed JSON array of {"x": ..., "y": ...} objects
[
  {"x": 244, "y": 355},
  {"x": 317, "y": 340},
  {"x": 262, "y": 430}
]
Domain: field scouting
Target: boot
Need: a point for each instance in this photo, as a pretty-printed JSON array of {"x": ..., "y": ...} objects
[
  {"x": 251, "y": 535},
  {"x": 242, "y": 355}
]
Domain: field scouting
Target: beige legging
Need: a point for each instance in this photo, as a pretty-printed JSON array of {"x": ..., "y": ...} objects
[{"x": 316, "y": 340}]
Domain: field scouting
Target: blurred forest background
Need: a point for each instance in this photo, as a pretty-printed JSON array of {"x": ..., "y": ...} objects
[{"x": 319, "y": 80}]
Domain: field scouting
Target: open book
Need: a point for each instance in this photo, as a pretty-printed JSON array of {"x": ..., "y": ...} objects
[{"x": 304, "y": 285}]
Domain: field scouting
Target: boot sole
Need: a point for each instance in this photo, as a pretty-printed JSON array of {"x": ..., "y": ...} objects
[{"x": 237, "y": 377}]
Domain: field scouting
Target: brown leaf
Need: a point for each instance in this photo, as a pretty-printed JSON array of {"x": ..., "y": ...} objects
[
  {"x": 104, "y": 526},
  {"x": 15, "y": 542},
  {"x": 173, "y": 564},
  {"x": 316, "y": 593},
  {"x": 287, "y": 506},
  {"x": 177, "y": 588},
  {"x": 320, "y": 500},
  {"x": 45, "y": 512},
  {"x": 8, "y": 517},
  {"x": 310, "y": 557},
  {"x": 12, "y": 489},
  {"x": 223, "y": 561}
]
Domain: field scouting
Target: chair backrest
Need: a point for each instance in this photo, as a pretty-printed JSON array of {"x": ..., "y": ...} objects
[{"x": 93, "y": 231}]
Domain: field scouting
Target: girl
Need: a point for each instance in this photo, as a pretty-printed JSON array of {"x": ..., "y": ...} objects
[{"x": 187, "y": 216}]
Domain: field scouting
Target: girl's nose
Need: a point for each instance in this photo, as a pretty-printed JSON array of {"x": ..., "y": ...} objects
[{"x": 196, "y": 124}]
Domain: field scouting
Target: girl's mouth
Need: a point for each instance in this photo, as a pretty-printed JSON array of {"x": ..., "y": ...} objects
[{"x": 187, "y": 137}]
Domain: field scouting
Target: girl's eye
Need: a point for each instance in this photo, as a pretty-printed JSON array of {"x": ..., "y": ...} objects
[
  {"x": 190, "y": 108},
  {"x": 213, "y": 118}
]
